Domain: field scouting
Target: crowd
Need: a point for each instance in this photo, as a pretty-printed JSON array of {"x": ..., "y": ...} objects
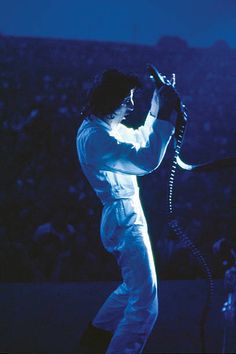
[{"x": 49, "y": 228}]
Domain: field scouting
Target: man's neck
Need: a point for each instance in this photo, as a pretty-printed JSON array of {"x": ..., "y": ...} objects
[{"x": 113, "y": 123}]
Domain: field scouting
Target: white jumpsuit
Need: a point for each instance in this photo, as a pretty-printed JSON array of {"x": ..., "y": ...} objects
[{"x": 111, "y": 159}]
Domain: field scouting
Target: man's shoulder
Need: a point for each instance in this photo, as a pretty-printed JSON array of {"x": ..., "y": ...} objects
[
  {"x": 90, "y": 131},
  {"x": 86, "y": 127}
]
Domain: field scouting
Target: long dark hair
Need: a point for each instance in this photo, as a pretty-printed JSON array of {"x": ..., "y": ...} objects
[{"x": 109, "y": 90}]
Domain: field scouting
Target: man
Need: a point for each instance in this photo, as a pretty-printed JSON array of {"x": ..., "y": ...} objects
[{"x": 111, "y": 156}]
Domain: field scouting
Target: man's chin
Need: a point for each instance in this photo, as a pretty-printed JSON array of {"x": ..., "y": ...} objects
[{"x": 127, "y": 114}]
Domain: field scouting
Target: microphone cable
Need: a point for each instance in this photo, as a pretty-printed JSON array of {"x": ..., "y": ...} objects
[
  {"x": 173, "y": 222},
  {"x": 181, "y": 234}
]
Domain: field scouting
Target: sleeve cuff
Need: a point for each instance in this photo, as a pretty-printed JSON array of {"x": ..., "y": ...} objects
[{"x": 149, "y": 121}]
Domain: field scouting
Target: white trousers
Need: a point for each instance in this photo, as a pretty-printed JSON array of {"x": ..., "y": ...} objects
[{"x": 131, "y": 310}]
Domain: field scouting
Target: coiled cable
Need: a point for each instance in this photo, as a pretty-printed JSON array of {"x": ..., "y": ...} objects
[
  {"x": 184, "y": 238},
  {"x": 172, "y": 219}
]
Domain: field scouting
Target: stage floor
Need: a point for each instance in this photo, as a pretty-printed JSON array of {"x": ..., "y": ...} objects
[{"x": 49, "y": 318}]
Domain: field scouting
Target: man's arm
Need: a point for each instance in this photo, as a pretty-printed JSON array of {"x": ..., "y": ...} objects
[
  {"x": 162, "y": 107},
  {"x": 105, "y": 152},
  {"x": 137, "y": 136}
]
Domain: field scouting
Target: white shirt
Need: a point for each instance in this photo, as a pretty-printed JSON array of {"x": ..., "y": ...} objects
[{"x": 111, "y": 158}]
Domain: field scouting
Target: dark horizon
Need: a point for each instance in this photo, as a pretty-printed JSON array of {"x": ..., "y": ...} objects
[{"x": 219, "y": 41}]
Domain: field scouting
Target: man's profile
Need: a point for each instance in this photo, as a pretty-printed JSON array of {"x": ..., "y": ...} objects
[{"x": 112, "y": 156}]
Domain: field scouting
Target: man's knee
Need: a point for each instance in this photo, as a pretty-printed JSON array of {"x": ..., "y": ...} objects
[
  {"x": 148, "y": 300},
  {"x": 154, "y": 303},
  {"x": 149, "y": 292}
]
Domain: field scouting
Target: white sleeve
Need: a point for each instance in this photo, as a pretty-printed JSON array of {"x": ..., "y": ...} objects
[
  {"x": 105, "y": 152},
  {"x": 140, "y": 135}
]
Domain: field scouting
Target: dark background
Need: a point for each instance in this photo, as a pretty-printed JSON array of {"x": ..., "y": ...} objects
[
  {"x": 49, "y": 214},
  {"x": 199, "y": 22},
  {"x": 50, "y": 52}
]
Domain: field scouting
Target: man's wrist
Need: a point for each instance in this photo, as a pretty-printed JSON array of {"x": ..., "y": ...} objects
[{"x": 153, "y": 114}]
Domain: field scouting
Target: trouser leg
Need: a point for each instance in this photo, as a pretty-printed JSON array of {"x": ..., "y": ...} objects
[
  {"x": 138, "y": 271},
  {"x": 111, "y": 312}
]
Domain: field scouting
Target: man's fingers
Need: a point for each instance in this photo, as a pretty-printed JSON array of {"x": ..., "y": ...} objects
[{"x": 168, "y": 92}]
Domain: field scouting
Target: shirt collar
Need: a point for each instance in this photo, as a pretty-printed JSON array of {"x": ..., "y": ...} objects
[{"x": 98, "y": 122}]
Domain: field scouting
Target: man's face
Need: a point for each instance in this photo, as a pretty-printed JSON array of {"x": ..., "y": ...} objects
[{"x": 127, "y": 106}]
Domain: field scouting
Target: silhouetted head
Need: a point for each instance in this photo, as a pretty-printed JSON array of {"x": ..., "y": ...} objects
[{"x": 111, "y": 90}]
